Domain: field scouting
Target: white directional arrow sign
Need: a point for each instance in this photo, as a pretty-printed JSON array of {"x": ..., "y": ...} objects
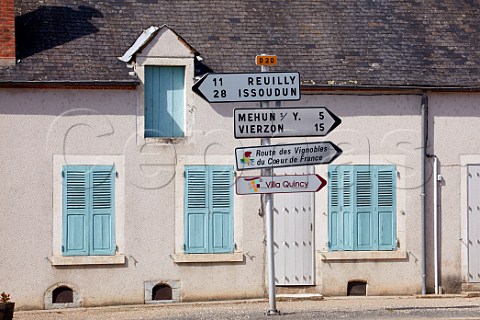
[
  {"x": 286, "y": 155},
  {"x": 243, "y": 87},
  {"x": 280, "y": 184},
  {"x": 284, "y": 122}
]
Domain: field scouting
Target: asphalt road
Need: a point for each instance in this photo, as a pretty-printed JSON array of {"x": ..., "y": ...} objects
[{"x": 329, "y": 308}]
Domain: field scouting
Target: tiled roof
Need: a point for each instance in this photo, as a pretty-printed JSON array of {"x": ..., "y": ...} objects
[{"x": 336, "y": 42}]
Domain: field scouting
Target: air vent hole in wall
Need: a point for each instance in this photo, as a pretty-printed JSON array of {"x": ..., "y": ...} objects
[
  {"x": 161, "y": 292},
  {"x": 62, "y": 295},
  {"x": 357, "y": 288}
]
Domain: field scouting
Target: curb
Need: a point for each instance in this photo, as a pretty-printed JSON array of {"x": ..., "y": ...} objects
[
  {"x": 446, "y": 296},
  {"x": 146, "y": 306},
  {"x": 280, "y": 298},
  {"x": 299, "y": 297}
]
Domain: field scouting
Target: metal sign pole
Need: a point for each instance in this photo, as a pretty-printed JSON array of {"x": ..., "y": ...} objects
[{"x": 269, "y": 221}]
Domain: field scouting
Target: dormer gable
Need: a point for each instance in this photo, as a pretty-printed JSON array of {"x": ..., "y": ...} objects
[{"x": 159, "y": 42}]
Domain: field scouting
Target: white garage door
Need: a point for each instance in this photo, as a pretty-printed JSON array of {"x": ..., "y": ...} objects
[{"x": 293, "y": 234}]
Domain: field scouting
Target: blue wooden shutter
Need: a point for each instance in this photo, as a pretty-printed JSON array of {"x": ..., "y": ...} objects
[
  {"x": 362, "y": 206},
  {"x": 164, "y": 101},
  {"x": 196, "y": 210},
  {"x": 75, "y": 210},
  {"x": 221, "y": 209},
  {"x": 151, "y": 92},
  {"x": 102, "y": 239},
  {"x": 176, "y": 101},
  {"x": 386, "y": 177},
  {"x": 365, "y": 218},
  {"x": 347, "y": 207},
  {"x": 340, "y": 208},
  {"x": 335, "y": 218}
]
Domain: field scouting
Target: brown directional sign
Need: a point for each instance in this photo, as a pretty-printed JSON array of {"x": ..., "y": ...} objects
[{"x": 279, "y": 184}]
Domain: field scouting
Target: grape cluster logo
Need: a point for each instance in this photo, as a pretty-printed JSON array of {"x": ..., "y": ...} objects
[
  {"x": 254, "y": 183},
  {"x": 246, "y": 159}
]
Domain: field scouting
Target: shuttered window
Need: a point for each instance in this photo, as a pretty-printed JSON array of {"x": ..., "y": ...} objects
[
  {"x": 361, "y": 201},
  {"x": 88, "y": 210},
  {"x": 164, "y": 101},
  {"x": 208, "y": 209}
]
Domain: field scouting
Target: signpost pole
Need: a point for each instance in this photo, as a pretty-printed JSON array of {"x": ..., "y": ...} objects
[{"x": 269, "y": 222}]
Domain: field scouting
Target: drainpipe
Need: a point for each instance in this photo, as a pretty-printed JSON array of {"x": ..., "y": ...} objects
[
  {"x": 435, "y": 221},
  {"x": 424, "y": 179}
]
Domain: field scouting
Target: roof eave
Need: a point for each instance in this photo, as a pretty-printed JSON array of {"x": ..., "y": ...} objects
[
  {"x": 389, "y": 88},
  {"x": 79, "y": 84}
]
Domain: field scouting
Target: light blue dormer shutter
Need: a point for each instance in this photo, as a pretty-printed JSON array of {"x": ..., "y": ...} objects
[
  {"x": 75, "y": 210},
  {"x": 164, "y": 99},
  {"x": 221, "y": 201},
  {"x": 196, "y": 209},
  {"x": 102, "y": 239}
]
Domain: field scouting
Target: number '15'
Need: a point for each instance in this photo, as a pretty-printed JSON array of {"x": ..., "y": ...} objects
[{"x": 320, "y": 126}]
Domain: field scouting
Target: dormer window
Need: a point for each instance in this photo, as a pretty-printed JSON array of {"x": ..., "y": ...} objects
[{"x": 164, "y": 64}]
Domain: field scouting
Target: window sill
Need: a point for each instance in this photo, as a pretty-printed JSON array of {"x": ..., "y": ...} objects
[
  {"x": 363, "y": 255},
  {"x": 165, "y": 140},
  {"x": 208, "y": 257},
  {"x": 87, "y": 260}
]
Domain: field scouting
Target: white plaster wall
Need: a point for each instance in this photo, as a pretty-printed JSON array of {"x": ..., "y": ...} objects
[
  {"x": 208, "y": 140},
  {"x": 37, "y": 124},
  {"x": 387, "y": 129},
  {"x": 375, "y": 129},
  {"x": 40, "y": 125},
  {"x": 454, "y": 123}
]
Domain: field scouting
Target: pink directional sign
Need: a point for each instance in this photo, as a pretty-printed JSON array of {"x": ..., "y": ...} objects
[{"x": 280, "y": 184}]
